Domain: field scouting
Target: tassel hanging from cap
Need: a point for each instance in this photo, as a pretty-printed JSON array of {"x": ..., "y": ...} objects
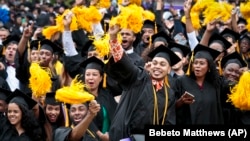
[
  {"x": 104, "y": 83},
  {"x": 150, "y": 41},
  {"x": 66, "y": 115},
  {"x": 3, "y": 51},
  {"x": 156, "y": 30},
  {"x": 39, "y": 45},
  {"x": 237, "y": 47},
  {"x": 189, "y": 65},
  {"x": 220, "y": 67}
]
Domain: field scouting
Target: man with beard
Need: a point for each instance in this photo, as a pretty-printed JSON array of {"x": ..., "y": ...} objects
[{"x": 81, "y": 127}]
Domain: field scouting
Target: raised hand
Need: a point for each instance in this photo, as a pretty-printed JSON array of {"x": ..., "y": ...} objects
[
  {"x": 28, "y": 30},
  {"x": 94, "y": 107},
  {"x": 67, "y": 20},
  {"x": 187, "y": 7},
  {"x": 113, "y": 31}
]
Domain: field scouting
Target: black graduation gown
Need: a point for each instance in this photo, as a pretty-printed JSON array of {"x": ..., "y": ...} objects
[
  {"x": 136, "y": 59},
  {"x": 205, "y": 110},
  {"x": 9, "y": 133},
  {"x": 231, "y": 115},
  {"x": 140, "y": 48},
  {"x": 106, "y": 100},
  {"x": 62, "y": 133},
  {"x": 136, "y": 105}
]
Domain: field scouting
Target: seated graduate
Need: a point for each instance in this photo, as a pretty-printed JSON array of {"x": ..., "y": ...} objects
[
  {"x": 147, "y": 97},
  {"x": 20, "y": 123}
]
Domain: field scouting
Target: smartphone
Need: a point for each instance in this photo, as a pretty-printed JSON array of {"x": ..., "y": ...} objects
[
  {"x": 189, "y": 94},
  {"x": 180, "y": 39}
]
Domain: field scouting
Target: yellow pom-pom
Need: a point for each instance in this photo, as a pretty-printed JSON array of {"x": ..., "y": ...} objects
[
  {"x": 49, "y": 31},
  {"x": 102, "y": 45},
  {"x": 39, "y": 81},
  {"x": 239, "y": 96},
  {"x": 74, "y": 94},
  {"x": 245, "y": 11}
]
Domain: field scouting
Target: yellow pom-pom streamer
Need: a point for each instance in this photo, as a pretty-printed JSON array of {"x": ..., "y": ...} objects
[
  {"x": 239, "y": 96},
  {"x": 74, "y": 94},
  {"x": 39, "y": 81},
  {"x": 245, "y": 11}
]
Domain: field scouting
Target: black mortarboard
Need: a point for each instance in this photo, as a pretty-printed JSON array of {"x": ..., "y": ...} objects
[
  {"x": 241, "y": 20},
  {"x": 50, "y": 99},
  {"x": 245, "y": 36},
  {"x": 233, "y": 58},
  {"x": 20, "y": 98},
  {"x": 161, "y": 36},
  {"x": 93, "y": 63},
  {"x": 163, "y": 51},
  {"x": 219, "y": 39},
  {"x": 34, "y": 44},
  {"x": 230, "y": 33},
  {"x": 11, "y": 39},
  {"x": 4, "y": 94},
  {"x": 49, "y": 45},
  {"x": 201, "y": 51},
  {"x": 87, "y": 47},
  {"x": 175, "y": 47},
  {"x": 148, "y": 24}
]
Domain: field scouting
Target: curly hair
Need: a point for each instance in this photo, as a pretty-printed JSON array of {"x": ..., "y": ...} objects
[
  {"x": 30, "y": 124},
  {"x": 212, "y": 76}
]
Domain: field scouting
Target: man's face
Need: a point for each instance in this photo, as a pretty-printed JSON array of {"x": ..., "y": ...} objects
[
  {"x": 128, "y": 38},
  {"x": 77, "y": 113},
  {"x": 10, "y": 52},
  {"x": 147, "y": 33},
  {"x": 3, "y": 35},
  {"x": 45, "y": 57}
]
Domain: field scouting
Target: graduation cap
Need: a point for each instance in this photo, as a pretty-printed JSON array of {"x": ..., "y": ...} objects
[
  {"x": 4, "y": 93},
  {"x": 50, "y": 99},
  {"x": 242, "y": 21},
  {"x": 230, "y": 33},
  {"x": 219, "y": 39},
  {"x": 162, "y": 36},
  {"x": 93, "y": 63},
  {"x": 14, "y": 39},
  {"x": 234, "y": 57},
  {"x": 88, "y": 47},
  {"x": 244, "y": 36},
  {"x": 49, "y": 45},
  {"x": 165, "y": 52},
  {"x": 20, "y": 98},
  {"x": 201, "y": 51},
  {"x": 34, "y": 44},
  {"x": 175, "y": 47},
  {"x": 151, "y": 24}
]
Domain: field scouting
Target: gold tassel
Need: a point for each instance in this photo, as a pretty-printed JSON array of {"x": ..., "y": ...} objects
[
  {"x": 156, "y": 30},
  {"x": 166, "y": 81},
  {"x": 66, "y": 115},
  {"x": 189, "y": 65},
  {"x": 220, "y": 69},
  {"x": 150, "y": 42},
  {"x": 39, "y": 45},
  {"x": 28, "y": 45},
  {"x": 238, "y": 47},
  {"x": 104, "y": 83},
  {"x": 3, "y": 51}
]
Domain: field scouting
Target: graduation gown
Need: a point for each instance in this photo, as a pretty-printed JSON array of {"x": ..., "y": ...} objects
[
  {"x": 136, "y": 106},
  {"x": 205, "y": 110},
  {"x": 62, "y": 133},
  {"x": 108, "y": 105},
  {"x": 9, "y": 133}
]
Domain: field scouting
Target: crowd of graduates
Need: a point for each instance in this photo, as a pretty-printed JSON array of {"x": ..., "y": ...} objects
[{"x": 101, "y": 70}]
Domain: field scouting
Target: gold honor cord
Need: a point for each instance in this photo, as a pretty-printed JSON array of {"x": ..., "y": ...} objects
[
  {"x": 156, "y": 112},
  {"x": 88, "y": 131}
]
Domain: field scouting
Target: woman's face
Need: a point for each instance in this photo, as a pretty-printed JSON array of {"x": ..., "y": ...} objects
[
  {"x": 52, "y": 112},
  {"x": 231, "y": 72},
  {"x": 93, "y": 78},
  {"x": 34, "y": 55},
  {"x": 244, "y": 45},
  {"x": 200, "y": 67},
  {"x": 159, "y": 68},
  {"x": 14, "y": 114}
]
